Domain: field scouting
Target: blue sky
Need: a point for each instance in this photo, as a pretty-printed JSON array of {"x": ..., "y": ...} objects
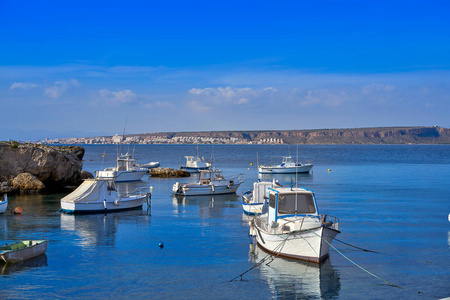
[{"x": 78, "y": 68}]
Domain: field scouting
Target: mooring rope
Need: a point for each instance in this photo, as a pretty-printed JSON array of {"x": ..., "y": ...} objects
[{"x": 281, "y": 245}]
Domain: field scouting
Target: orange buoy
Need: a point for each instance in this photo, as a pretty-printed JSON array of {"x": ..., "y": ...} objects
[{"x": 17, "y": 210}]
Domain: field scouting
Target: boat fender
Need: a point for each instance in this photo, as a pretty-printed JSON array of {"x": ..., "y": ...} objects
[
  {"x": 212, "y": 187},
  {"x": 117, "y": 202},
  {"x": 104, "y": 203}
]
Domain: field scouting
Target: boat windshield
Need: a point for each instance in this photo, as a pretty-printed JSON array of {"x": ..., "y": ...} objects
[{"x": 294, "y": 203}]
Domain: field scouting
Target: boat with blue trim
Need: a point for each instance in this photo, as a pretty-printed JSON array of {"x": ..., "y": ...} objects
[
  {"x": 254, "y": 201},
  {"x": 292, "y": 226}
]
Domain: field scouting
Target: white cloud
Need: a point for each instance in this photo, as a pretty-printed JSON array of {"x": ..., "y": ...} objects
[
  {"x": 229, "y": 96},
  {"x": 23, "y": 85},
  {"x": 59, "y": 88},
  {"x": 119, "y": 97}
]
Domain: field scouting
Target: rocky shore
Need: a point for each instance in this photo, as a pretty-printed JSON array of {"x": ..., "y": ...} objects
[
  {"x": 168, "y": 172},
  {"x": 40, "y": 168}
]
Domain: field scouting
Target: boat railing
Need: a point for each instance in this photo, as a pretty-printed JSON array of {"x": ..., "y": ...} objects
[
  {"x": 237, "y": 179},
  {"x": 261, "y": 224},
  {"x": 141, "y": 191},
  {"x": 327, "y": 221}
]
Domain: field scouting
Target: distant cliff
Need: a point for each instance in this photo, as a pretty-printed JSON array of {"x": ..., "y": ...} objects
[{"x": 384, "y": 135}]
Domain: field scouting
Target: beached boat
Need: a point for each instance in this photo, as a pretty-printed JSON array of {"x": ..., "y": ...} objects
[
  {"x": 211, "y": 182},
  {"x": 126, "y": 170},
  {"x": 195, "y": 164},
  {"x": 254, "y": 201},
  {"x": 101, "y": 195},
  {"x": 22, "y": 250},
  {"x": 287, "y": 166},
  {"x": 3, "y": 203},
  {"x": 292, "y": 226}
]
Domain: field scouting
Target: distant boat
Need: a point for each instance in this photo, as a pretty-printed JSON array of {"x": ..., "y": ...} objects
[
  {"x": 22, "y": 250},
  {"x": 126, "y": 170},
  {"x": 150, "y": 165},
  {"x": 211, "y": 182},
  {"x": 254, "y": 201},
  {"x": 195, "y": 164},
  {"x": 100, "y": 195},
  {"x": 292, "y": 226},
  {"x": 287, "y": 166},
  {"x": 3, "y": 203}
]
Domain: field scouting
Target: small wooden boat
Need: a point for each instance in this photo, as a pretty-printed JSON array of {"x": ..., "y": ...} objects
[
  {"x": 3, "y": 203},
  {"x": 22, "y": 250}
]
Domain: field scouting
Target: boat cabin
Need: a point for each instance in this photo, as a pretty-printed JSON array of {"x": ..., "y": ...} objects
[
  {"x": 287, "y": 202},
  {"x": 126, "y": 163},
  {"x": 287, "y": 161},
  {"x": 206, "y": 176}
]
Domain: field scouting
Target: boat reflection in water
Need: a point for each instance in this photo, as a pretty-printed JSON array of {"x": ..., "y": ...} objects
[
  {"x": 35, "y": 262},
  {"x": 292, "y": 279},
  {"x": 99, "y": 229},
  {"x": 209, "y": 205}
]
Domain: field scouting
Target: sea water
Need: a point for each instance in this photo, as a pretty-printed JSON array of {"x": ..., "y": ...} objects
[{"x": 391, "y": 200}]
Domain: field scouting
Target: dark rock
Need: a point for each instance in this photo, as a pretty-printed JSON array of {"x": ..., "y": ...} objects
[
  {"x": 168, "y": 172},
  {"x": 54, "y": 166}
]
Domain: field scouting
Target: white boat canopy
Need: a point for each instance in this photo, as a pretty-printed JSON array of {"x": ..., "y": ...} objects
[{"x": 89, "y": 191}]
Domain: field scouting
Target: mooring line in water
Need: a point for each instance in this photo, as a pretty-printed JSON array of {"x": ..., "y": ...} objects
[
  {"x": 366, "y": 250},
  {"x": 365, "y": 270}
]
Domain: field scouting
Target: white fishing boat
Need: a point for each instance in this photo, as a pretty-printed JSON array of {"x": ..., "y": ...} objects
[
  {"x": 254, "y": 201},
  {"x": 125, "y": 170},
  {"x": 292, "y": 226},
  {"x": 100, "y": 195},
  {"x": 287, "y": 166},
  {"x": 211, "y": 182},
  {"x": 195, "y": 164},
  {"x": 22, "y": 250},
  {"x": 3, "y": 203}
]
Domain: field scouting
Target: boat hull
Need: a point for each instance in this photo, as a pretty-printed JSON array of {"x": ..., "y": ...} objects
[
  {"x": 122, "y": 176},
  {"x": 285, "y": 170},
  {"x": 200, "y": 190},
  {"x": 252, "y": 208},
  {"x": 101, "y": 207},
  {"x": 308, "y": 245},
  {"x": 3, "y": 206},
  {"x": 194, "y": 170},
  {"x": 13, "y": 256}
]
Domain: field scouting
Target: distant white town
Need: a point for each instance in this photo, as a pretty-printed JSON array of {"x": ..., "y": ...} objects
[{"x": 146, "y": 139}]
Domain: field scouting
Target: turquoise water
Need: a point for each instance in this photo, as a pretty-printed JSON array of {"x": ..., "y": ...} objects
[{"x": 394, "y": 200}]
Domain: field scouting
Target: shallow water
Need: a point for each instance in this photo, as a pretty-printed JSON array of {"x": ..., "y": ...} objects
[{"x": 394, "y": 200}]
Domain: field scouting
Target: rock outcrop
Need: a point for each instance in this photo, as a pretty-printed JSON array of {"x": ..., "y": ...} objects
[
  {"x": 168, "y": 172},
  {"x": 54, "y": 166}
]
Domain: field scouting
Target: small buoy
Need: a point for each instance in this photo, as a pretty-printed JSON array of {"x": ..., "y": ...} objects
[
  {"x": 17, "y": 211},
  {"x": 248, "y": 168},
  {"x": 161, "y": 245},
  {"x": 251, "y": 164},
  {"x": 329, "y": 170}
]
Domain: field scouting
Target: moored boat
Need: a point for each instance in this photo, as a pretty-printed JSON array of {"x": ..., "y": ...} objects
[
  {"x": 287, "y": 166},
  {"x": 211, "y": 182},
  {"x": 195, "y": 164},
  {"x": 292, "y": 226},
  {"x": 22, "y": 250},
  {"x": 254, "y": 201},
  {"x": 101, "y": 195},
  {"x": 3, "y": 203},
  {"x": 126, "y": 170}
]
